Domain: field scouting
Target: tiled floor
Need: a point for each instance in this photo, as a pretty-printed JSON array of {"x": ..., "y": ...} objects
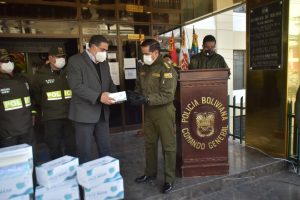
[
  {"x": 247, "y": 165},
  {"x": 252, "y": 175}
]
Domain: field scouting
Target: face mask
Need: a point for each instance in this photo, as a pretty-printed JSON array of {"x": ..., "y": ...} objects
[
  {"x": 60, "y": 62},
  {"x": 148, "y": 59},
  {"x": 8, "y": 67},
  {"x": 101, "y": 56},
  {"x": 209, "y": 52}
]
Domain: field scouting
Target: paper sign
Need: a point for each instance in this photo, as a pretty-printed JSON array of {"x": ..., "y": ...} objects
[
  {"x": 130, "y": 73},
  {"x": 129, "y": 63},
  {"x": 114, "y": 72}
]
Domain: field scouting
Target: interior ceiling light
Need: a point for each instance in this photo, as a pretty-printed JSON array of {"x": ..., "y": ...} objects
[{"x": 2, "y": 2}]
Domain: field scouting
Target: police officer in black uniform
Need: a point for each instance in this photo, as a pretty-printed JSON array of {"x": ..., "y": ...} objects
[
  {"x": 52, "y": 94},
  {"x": 15, "y": 105}
]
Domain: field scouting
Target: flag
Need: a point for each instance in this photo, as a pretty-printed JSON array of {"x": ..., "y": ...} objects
[
  {"x": 172, "y": 49},
  {"x": 194, "y": 49},
  {"x": 184, "y": 54}
]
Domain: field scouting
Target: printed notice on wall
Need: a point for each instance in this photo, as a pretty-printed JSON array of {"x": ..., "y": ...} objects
[
  {"x": 130, "y": 73},
  {"x": 266, "y": 36},
  {"x": 114, "y": 72},
  {"x": 129, "y": 63}
]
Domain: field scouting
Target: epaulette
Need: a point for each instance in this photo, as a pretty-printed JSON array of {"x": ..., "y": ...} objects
[{"x": 167, "y": 65}]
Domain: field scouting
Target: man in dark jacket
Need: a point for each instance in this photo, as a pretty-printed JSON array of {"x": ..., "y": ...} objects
[
  {"x": 207, "y": 58},
  {"x": 15, "y": 103},
  {"x": 90, "y": 80},
  {"x": 52, "y": 94}
]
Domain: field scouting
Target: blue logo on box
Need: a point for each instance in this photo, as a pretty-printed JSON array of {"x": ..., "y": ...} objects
[
  {"x": 89, "y": 172},
  {"x": 50, "y": 172},
  {"x": 113, "y": 188},
  {"x": 71, "y": 168},
  {"x": 111, "y": 170},
  {"x": 20, "y": 185},
  {"x": 68, "y": 196}
]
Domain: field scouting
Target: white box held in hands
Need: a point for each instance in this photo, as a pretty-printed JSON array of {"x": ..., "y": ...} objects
[
  {"x": 16, "y": 154},
  {"x": 66, "y": 190},
  {"x": 113, "y": 190},
  {"x": 56, "y": 171},
  {"x": 16, "y": 181},
  {"x": 118, "y": 96},
  {"x": 98, "y": 171}
]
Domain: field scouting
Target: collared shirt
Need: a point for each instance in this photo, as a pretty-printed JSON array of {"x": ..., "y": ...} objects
[
  {"x": 96, "y": 64},
  {"x": 91, "y": 56}
]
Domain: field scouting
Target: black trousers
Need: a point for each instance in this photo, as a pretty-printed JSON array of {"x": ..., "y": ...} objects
[
  {"x": 60, "y": 138},
  {"x": 14, "y": 140},
  {"x": 86, "y": 133}
]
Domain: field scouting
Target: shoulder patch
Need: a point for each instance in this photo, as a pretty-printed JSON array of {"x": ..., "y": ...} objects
[{"x": 168, "y": 75}]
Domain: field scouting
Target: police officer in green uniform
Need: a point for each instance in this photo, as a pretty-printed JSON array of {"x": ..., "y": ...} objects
[
  {"x": 52, "y": 94},
  {"x": 155, "y": 87},
  {"x": 207, "y": 58},
  {"x": 15, "y": 105}
]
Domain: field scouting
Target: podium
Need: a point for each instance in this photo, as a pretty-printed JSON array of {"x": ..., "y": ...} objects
[{"x": 202, "y": 144}]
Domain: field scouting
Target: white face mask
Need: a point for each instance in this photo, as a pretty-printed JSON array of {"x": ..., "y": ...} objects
[
  {"x": 8, "y": 67},
  {"x": 148, "y": 59},
  {"x": 60, "y": 62},
  {"x": 101, "y": 56}
]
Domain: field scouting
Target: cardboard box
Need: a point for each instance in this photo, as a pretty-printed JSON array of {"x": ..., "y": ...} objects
[
  {"x": 16, "y": 154},
  {"x": 16, "y": 184},
  {"x": 111, "y": 190},
  {"x": 118, "y": 96},
  {"x": 98, "y": 171},
  {"x": 14, "y": 171},
  {"x": 57, "y": 171},
  {"x": 66, "y": 190},
  {"x": 23, "y": 197}
]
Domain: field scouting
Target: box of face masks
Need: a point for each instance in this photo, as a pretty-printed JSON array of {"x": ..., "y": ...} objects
[
  {"x": 23, "y": 197},
  {"x": 56, "y": 171},
  {"x": 118, "y": 96},
  {"x": 111, "y": 190},
  {"x": 66, "y": 190},
  {"x": 16, "y": 154},
  {"x": 15, "y": 181},
  {"x": 98, "y": 171}
]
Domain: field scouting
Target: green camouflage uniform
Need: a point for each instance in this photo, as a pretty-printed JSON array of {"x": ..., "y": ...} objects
[{"x": 158, "y": 83}]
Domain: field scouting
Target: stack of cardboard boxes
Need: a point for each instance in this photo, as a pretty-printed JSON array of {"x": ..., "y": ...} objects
[
  {"x": 16, "y": 167},
  {"x": 57, "y": 179},
  {"x": 101, "y": 179}
]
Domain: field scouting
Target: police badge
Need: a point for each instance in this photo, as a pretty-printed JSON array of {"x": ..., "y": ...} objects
[{"x": 205, "y": 124}]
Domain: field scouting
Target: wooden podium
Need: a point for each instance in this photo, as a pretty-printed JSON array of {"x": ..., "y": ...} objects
[{"x": 202, "y": 135}]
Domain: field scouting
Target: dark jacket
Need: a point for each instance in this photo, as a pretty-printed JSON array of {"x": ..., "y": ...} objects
[
  {"x": 15, "y": 103},
  {"x": 52, "y": 93},
  {"x": 157, "y": 82},
  {"x": 201, "y": 61},
  {"x": 87, "y": 87},
  {"x": 297, "y": 108}
]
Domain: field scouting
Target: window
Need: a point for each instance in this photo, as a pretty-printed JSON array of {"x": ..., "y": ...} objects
[{"x": 239, "y": 69}]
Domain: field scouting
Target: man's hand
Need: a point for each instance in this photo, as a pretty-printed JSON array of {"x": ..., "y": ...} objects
[
  {"x": 105, "y": 99},
  {"x": 136, "y": 99}
]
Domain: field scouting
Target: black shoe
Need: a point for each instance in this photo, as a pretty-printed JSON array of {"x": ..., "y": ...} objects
[
  {"x": 167, "y": 188},
  {"x": 144, "y": 179}
]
